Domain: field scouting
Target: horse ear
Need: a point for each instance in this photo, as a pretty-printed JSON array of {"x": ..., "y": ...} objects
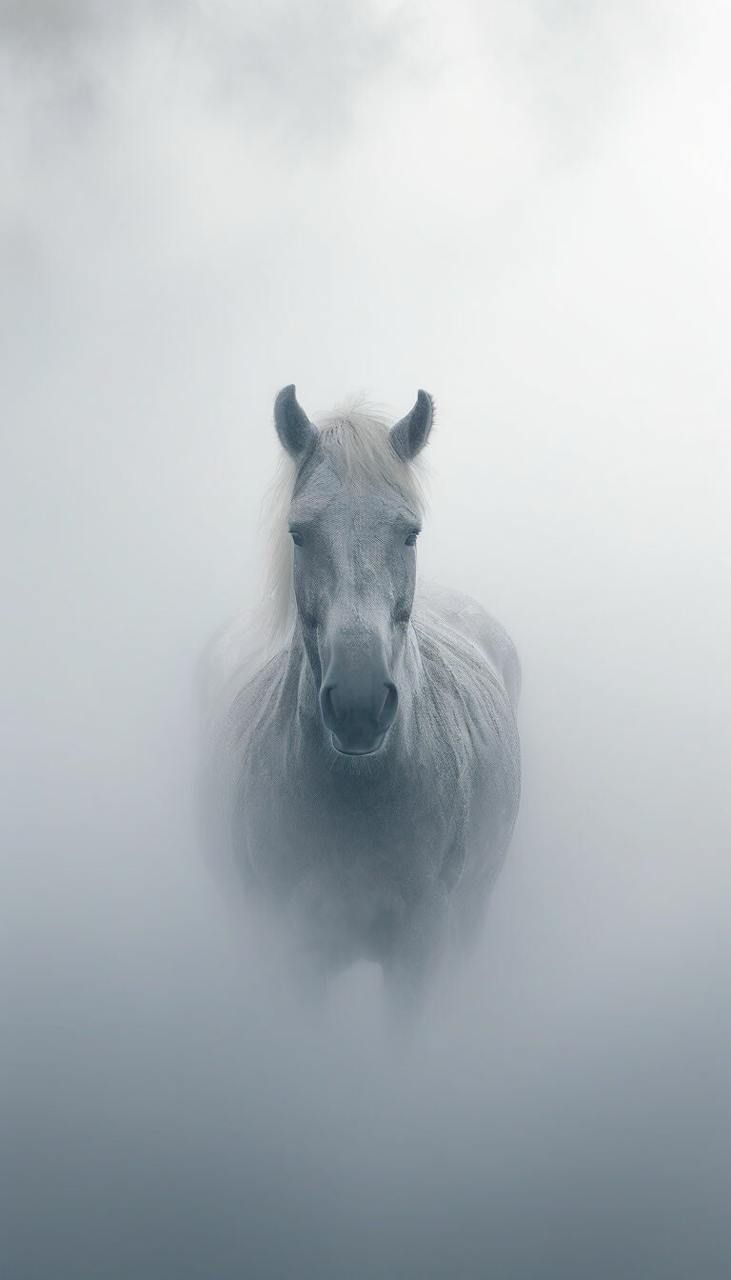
[
  {"x": 409, "y": 436},
  {"x": 294, "y": 428}
]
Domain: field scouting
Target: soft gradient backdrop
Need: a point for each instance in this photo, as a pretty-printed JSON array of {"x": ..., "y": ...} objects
[{"x": 524, "y": 207}]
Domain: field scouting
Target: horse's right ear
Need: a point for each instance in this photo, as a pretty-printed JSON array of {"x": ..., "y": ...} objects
[{"x": 294, "y": 428}]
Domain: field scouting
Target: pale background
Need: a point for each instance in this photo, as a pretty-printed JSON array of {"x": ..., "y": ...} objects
[{"x": 523, "y": 207}]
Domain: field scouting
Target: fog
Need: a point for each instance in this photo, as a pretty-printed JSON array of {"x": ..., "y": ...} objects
[{"x": 523, "y": 207}]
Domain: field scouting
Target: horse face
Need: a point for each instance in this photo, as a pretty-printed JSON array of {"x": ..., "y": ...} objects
[
  {"x": 354, "y": 531},
  {"x": 354, "y": 577}
]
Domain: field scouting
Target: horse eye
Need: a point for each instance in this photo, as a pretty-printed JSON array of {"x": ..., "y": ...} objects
[
  {"x": 296, "y": 537},
  {"x": 411, "y": 539}
]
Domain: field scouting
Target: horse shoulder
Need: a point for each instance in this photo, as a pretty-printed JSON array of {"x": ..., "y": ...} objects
[{"x": 469, "y": 619}]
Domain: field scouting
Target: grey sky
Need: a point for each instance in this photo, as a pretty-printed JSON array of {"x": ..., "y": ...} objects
[
  {"x": 289, "y": 73},
  {"x": 524, "y": 208}
]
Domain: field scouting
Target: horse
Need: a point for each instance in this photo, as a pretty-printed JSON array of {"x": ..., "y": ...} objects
[{"x": 370, "y": 764}]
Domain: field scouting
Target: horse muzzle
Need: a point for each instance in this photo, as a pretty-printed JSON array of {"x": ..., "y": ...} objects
[{"x": 358, "y": 714}]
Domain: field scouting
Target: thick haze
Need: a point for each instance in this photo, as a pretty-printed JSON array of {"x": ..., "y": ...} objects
[{"x": 523, "y": 207}]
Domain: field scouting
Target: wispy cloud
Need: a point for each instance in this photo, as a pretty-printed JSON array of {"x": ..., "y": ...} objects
[
  {"x": 293, "y": 73},
  {"x": 575, "y": 64}
]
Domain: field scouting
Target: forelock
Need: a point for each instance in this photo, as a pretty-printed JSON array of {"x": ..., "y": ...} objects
[{"x": 356, "y": 441}]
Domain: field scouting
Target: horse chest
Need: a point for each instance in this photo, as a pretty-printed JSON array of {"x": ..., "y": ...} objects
[{"x": 391, "y": 831}]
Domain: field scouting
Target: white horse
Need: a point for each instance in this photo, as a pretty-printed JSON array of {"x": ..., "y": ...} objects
[{"x": 371, "y": 766}]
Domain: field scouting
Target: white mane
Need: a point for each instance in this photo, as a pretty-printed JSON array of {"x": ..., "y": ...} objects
[{"x": 355, "y": 439}]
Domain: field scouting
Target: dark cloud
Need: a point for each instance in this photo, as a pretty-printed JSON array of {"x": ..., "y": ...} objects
[
  {"x": 296, "y": 73},
  {"x": 44, "y": 25}
]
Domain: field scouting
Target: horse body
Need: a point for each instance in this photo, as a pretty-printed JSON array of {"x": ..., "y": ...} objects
[{"x": 375, "y": 842}]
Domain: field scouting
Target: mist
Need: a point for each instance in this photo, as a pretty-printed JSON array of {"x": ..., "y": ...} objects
[{"x": 523, "y": 208}]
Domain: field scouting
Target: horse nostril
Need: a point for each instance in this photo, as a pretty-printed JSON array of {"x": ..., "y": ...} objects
[
  {"x": 388, "y": 708},
  {"x": 329, "y": 712}
]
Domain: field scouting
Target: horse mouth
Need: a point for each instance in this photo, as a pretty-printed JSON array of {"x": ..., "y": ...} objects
[{"x": 358, "y": 748}]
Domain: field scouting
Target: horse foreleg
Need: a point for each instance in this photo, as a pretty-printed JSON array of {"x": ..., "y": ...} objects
[{"x": 416, "y": 954}]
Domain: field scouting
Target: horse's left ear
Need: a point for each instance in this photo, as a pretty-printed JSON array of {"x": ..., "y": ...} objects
[{"x": 409, "y": 436}]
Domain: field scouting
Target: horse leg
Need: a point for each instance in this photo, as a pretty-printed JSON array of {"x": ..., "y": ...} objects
[{"x": 416, "y": 954}]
